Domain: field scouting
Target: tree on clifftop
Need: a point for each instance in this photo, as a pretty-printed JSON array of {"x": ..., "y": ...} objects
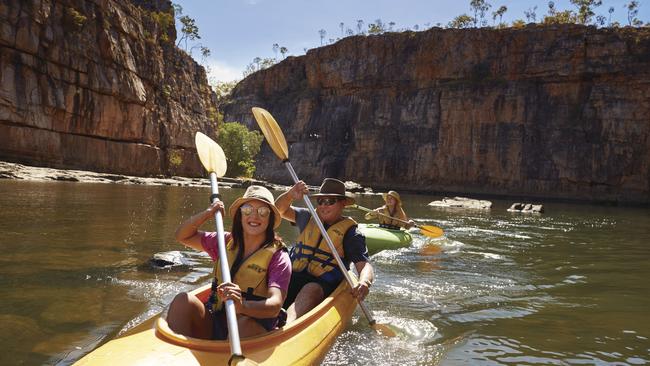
[
  {"x": 461, "y": 21},
  {"x": 479, "y": 7},
  {"x": 189, "y": 32},
  {"x": 586, "y": 9},
  {"x": 322, "y": 34},
  {"x": 558, "y": 17},
  {"x": 632, "y": 11},
  {"x": 499, "y": 13}
]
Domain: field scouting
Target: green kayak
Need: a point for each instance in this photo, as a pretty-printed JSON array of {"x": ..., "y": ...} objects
[{"x": 378, "y": 238}]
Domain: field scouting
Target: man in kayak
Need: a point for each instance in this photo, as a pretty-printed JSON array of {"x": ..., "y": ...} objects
[
  {"x": 391, "y": 208},
  {"x": 259, "y": 265},
  {"x": 315, "y": 270}
]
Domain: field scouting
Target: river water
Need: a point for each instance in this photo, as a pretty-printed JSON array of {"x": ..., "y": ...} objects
[{"x": 566, "y": 287}]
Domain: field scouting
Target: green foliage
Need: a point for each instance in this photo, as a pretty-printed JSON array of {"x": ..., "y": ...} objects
[
  {"x": 189, "y": 30},
  {"x": 213, "y": 115},
  {"x": 479, "y": 7},
  {"x": 585, "y": 9},
  {"x": 632, "y": 11},
  {"x": 164, "y": 22},
  {"x": 377, "y": 27},
  {"x": 77, "y": 20},
  {"x": 461, "y": 21},
  {"x": 175, "y": 158},
  {"x": 167, "y": 91},
  {"x": 560, "y": 17},
  {"x": 499, "y": 13},
  {"x": 240, "y": 147},
  {"x": 223, "y": 89},
  {"x": 519, "y": 23},
  {"x": 259, "y": 64}
]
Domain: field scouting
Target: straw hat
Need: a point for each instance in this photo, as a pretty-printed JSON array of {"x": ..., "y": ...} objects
[
  {"x": 393, "y": 194},
  {"x": 334, "y": 188},
  {"x": 257, "y": 193}
]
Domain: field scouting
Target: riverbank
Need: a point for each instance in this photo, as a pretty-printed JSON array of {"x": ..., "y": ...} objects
[{"x": 41, "y": 174}]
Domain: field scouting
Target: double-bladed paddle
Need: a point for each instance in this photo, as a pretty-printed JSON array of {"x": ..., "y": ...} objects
[
  {"x": 214, "y": 161},
  {"x": 426, "y": 230},
  {"x": 278, "y": 143}
]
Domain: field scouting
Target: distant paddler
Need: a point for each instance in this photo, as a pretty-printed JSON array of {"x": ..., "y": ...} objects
[{"x": 391, "y": 215}]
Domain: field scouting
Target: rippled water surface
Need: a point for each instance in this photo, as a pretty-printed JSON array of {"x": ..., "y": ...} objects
[{"x": 566, "y": 287}]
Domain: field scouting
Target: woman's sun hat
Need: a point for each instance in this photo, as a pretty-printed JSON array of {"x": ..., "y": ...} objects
[
  {"x": 257, "y": 193},
  {"x": 393, "y": 194}
]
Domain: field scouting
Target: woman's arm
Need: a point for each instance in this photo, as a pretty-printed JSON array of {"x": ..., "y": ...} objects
[
  {"x": 189, "y": 234},
  {"x": 268, "y": 308}
]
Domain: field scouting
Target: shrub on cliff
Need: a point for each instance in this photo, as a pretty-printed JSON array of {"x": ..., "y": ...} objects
[{"x": 240, "y": 147}]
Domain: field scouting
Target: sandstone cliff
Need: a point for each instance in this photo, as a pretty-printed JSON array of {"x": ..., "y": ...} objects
[
  {"x": 99, "y": 85},
  {"x": 547, "y": 111}
]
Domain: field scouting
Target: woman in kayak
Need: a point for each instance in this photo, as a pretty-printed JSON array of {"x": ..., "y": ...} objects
[
  {"x": 391, "y": 209},
  {"x": 259, "y": 265}
]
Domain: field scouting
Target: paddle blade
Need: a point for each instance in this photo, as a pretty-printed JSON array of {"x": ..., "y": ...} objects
[
  {"x": 272, "y": 132},
  {"x": 241, "y": 361},
  {"x": 431, "y": 231},
  {"x": 210, "y": 154},
  {"x": 384, "y": 330}
]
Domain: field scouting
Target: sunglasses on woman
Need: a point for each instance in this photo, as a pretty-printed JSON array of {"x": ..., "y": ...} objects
[
  {"x": 327, "y": 201},
  {"x": 262, "y": 211}
]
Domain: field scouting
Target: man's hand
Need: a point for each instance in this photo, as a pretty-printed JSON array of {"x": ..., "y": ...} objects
[
  {"x": 361, "y": 290},
  {"x": 298, "y": 190}
]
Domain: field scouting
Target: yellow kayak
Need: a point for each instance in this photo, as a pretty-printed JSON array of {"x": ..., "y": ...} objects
[{"x": 302, "y": 342}]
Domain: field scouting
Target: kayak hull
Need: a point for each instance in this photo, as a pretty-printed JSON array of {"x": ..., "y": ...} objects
[
  {"x": 378, "y": 238},
  {"x": 302, "y": 342}
]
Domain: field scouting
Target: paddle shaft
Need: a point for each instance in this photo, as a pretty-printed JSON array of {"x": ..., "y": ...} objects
[
  {"x": 381, "y": 214},
  {"x": 231, "y": 315},
  {"x": 339, "y": 261}
]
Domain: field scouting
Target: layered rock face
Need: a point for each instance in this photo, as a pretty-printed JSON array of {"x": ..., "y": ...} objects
[
  {"x": 99, "y": 85},
  {"x": 543, "y": 111}
]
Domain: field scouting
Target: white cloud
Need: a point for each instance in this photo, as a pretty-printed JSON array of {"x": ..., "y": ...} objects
[{"x": 220, "y": 71}]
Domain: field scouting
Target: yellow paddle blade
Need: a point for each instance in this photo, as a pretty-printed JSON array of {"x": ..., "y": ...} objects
[
  {"x": 210, "y": 154},
  {"x": 431, "y": 250},
  {"x": 430, "y": 231},
  {"x": 241, "y": 361},
  {"x": 272, "y": 132}
]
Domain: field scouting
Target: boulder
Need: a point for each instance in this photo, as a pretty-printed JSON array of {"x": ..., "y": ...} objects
[
  {"x": 526, "y": 207},
  {"x": 462, "y": 202}
]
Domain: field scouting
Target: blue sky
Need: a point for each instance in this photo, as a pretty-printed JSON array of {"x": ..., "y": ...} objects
[{"x": 236, "y": 31}]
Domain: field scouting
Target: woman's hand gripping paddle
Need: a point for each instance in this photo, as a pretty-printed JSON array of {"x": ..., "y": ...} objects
[
  {"x": 214, "y": 161},
  {"x": 426, "y": 230},
  {"x": 278, "y": 143}
]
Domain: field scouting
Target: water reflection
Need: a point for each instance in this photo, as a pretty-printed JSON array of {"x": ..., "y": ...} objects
[{"x": 566, "y": 287}]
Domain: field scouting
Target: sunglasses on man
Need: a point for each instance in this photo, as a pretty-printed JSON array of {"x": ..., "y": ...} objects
[{"x": 328, "y": 201}]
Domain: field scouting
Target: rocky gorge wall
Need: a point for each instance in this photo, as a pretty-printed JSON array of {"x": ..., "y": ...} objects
[
  {"x": 544, "y": 111},
  {"x": 98, "y": 85}
]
